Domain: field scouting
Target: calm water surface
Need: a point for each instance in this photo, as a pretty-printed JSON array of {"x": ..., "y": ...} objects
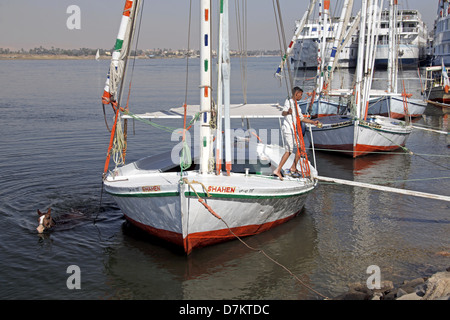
[{"x": 54, "y": 142}]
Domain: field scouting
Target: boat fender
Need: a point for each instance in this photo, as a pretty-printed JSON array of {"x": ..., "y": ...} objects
[{"x": 446, "y": 88}]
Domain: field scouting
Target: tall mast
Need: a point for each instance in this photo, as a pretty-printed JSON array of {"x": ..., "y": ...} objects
[
  {"x": 219, "y": 140},
  {"x": 359, "y": 70},
  {"x": 323, "y": 31},
  {"x": 297, "y": 33},
  {"x": 393, "y": 49},
  {"x": 375, "y": 13},
  {"x": 360, "y": 63},
  {"x": 226, "y": 83},
  {"x": 223, "y": 89},
  {"x": 348, "y": 34},
  {"x": 338, "y": 37},
  {"x": 205, "y": 86},
  {"x": 326, "y": 13},
  {"x": 120, "y": 54},
  {"x": 113, "y": 89}
]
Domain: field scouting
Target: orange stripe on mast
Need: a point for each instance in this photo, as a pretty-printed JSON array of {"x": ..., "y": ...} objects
[
  {"x": 367, "y": 109},
  {"x": 228, "y": 167},
  {"x": 127, "y": 8},
  {"x": 106, "y": 98}
]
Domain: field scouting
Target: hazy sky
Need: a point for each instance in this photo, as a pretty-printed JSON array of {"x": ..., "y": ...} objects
[{"x": 32, "y": 23}]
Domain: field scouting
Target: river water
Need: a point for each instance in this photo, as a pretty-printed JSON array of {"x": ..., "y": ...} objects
[{"x": 53, "y": 145}]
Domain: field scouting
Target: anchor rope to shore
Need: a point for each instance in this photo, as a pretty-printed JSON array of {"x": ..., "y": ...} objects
[
  {"x": 211, "y": 210},
  {"x": 380, "y": 182},
  {"x": 384, "y": 188},
  {"x": 386, "y": 152},
  {"x": 430, "y": 128}
]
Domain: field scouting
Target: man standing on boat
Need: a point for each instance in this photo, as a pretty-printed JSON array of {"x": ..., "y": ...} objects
[{"x": 289, "y": 133}]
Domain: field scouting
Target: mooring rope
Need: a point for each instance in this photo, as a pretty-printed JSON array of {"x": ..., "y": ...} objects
[{"x": 208, "y": 207}]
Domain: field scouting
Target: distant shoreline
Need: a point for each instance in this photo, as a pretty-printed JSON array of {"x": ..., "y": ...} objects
[
  {"x": 20, "y": 56},
  {"x": 27, "y": 56}
]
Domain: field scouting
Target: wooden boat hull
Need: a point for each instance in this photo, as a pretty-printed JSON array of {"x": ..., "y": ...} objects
[
  {"x": 393, "y": 107},
  {"x": 377, "y": 134},
  {"x": 438, "y": 94},
  {"x": 168, "y": 207},
  {"x": 416, "y": 107}
]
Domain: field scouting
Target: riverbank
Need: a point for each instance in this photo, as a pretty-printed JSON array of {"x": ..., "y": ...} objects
[
  {"x": 435, "y": 287},
  {"x": 26, "y": 56}
]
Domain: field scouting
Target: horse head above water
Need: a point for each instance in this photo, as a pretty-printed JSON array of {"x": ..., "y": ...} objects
[{"x": 45, "y": 220}]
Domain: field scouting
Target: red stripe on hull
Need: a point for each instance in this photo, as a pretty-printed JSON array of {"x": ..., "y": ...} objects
[
  {"x": 396, "y": 115},
  {"x": 362, "y": 149},
  {"x": 358, "y": 151},
  {"x": 203, "y": 239},
  {"x": 320, "y": 115},
  {"x": 169, "y": 236}
]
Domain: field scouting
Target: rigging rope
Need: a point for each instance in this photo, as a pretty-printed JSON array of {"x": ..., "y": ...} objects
[{"x": 281, "y": 42}]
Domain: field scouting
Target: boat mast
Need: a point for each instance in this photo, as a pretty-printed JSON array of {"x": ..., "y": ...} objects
[
  {"x": 339, "y": 33},
  {"x": 297, "y": 33},
  {"x": 116, "y": 73},
  {"x": 348, "y": 35},
  {"x": 324, "y": 12},
  {"x": 219, "y": 140},
  {"x": 359, "y": 70},
  {"x": 205, "y": 87},
  {"x": 393, "y": 49},
  {"x": 113, "y": 89},
  {"x": 371, "y": 47},
  {"x": 223, "y": 90},
  {"x": 225, "y": 64}
]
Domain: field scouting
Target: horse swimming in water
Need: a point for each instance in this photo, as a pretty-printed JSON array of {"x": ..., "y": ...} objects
[{"x": 45, "y": 220}]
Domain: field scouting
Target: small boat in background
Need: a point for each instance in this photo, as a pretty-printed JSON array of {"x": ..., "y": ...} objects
[
  {"x": 358, "y": 133},
  {"x": 437, "y": 84}
]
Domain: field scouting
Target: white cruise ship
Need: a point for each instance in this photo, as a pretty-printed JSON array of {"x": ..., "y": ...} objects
[
  {"x": 305, "y": 49},
  {"x": 441, "y": 40},
  {"x": 412, "y": 33}
]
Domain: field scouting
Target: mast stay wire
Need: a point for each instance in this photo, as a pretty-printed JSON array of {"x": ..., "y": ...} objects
[{"x": 282, "y": 43}]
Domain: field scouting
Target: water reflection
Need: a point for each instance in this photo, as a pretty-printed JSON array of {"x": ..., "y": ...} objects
[{"x": 225, "y": 271}]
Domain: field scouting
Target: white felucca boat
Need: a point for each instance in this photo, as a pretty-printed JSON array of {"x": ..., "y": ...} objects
[
  {"x": 327, "y": 59},
  {"x": 359, "y": 134},
  {"x": 194, "y": 205}
]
